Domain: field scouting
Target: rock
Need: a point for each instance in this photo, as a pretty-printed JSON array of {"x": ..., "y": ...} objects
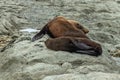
[
  {"x": 8, "y": 26},
  {"x": 117, "y": 59},
  {"x": 32, "y": 60},
  {"x": 89, "y": 76},
  {"x": 89, "y": 68},
  {"x": 116, "y": 53},
  {"x": 117, "y": 46},
  {"x": 26, "y": 60},
  {"x": 103, "y": 37}
]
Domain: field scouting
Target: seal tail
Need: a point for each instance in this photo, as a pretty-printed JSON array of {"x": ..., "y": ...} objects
[{"x": 40, "y": 34}]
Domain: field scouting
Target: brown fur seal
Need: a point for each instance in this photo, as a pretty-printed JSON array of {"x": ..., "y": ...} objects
[
  {"x": 74, "y": 44},
  {"x": 60, "y": 26}
]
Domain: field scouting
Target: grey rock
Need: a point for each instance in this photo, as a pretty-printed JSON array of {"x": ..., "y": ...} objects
[
  {"x": 33, "y": 60},
  {"x": 89, "y": 76},
  {"x": 26, "y": 60}
]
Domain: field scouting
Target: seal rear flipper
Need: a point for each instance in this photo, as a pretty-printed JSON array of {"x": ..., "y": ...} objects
[
  {"x": 88, "y": 52},
  {"x": 83, "y": 48},
  {"x": 40, "y": 34},
  {"x": 80, "y": 45}
]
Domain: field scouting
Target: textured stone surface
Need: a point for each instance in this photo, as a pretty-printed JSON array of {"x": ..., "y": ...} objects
[
  {"x": 26, "y": 60},
  {"x": 90, "y": 76}
]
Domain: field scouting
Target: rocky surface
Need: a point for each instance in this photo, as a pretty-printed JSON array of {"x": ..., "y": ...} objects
[
  {"x": 21, "y": 59},
  {"x": 89, "y": 76}
]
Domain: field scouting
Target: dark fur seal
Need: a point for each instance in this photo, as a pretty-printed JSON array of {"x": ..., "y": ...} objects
[{"x": 74, "y": 44}]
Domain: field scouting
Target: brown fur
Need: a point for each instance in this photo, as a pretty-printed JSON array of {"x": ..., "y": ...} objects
[
  {"x": 68, "y": 35},
  {"x": 78, "y": 26},
  {"x": 60, "y": 26},
  {"x": 74, "y": 44}
]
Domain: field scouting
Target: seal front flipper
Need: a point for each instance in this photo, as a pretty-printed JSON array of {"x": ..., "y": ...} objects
[{"x": 40, "y": 34}]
